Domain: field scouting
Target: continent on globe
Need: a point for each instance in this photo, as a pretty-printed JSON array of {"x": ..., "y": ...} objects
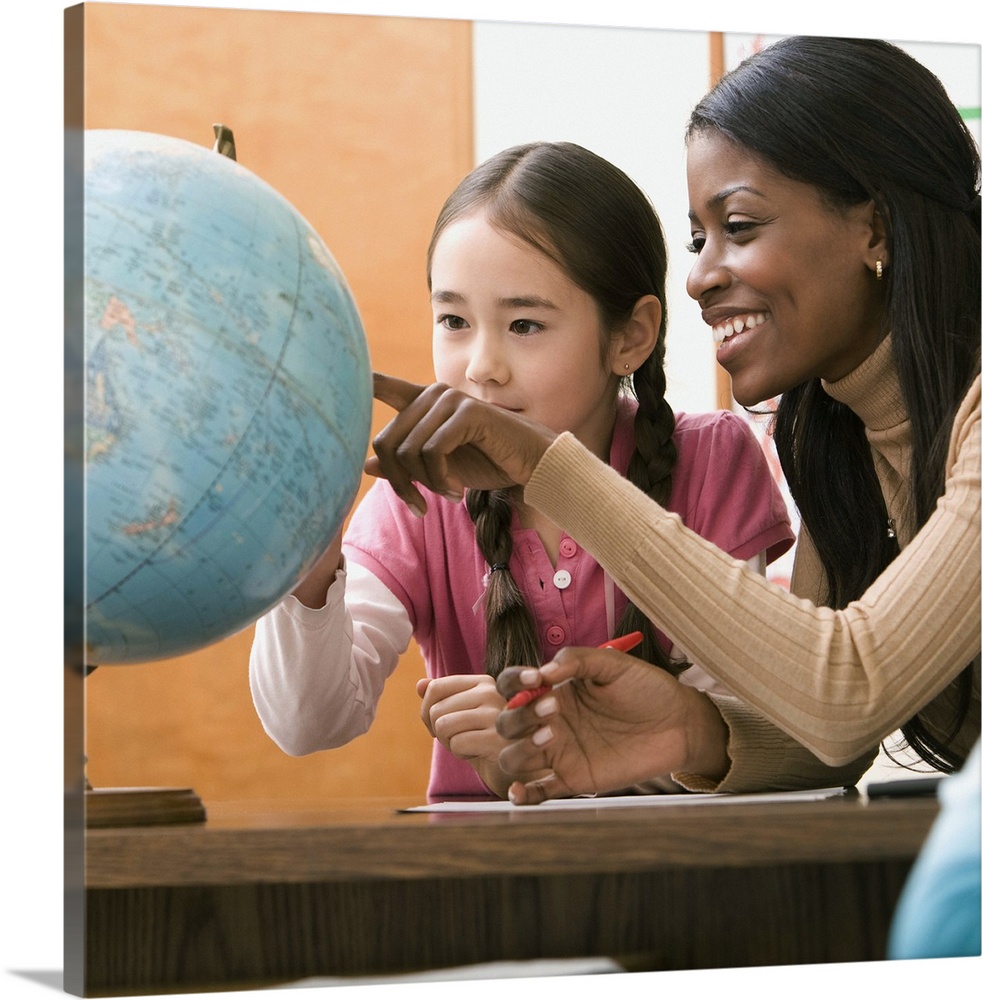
[{"x": 228, "y": 396}]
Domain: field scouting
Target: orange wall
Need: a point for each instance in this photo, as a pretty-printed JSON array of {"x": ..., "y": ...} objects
[{"x": 364, "y": 124}]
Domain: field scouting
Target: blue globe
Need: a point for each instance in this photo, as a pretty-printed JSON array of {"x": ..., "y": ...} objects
[{"x": 227, "y": 396}]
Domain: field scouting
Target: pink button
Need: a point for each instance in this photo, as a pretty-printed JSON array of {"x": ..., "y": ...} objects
[
  {"x": 555, "y": 635},
  {"x": 567, "y": 547}
]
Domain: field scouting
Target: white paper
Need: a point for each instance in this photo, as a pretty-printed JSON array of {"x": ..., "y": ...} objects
[{"x": 632, "y": 801}]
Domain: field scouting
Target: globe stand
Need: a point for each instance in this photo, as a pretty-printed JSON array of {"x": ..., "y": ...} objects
[
  {"x": 110, "y": 807},
  {"x": 106, "y": 807}
]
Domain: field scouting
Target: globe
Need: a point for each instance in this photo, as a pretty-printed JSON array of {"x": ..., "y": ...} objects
[{"x": 227, "y": 396}]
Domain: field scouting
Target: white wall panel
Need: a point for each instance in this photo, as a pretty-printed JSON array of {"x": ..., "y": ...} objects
[{"x": 625, "y": 93}]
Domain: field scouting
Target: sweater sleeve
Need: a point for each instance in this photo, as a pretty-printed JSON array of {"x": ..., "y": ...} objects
[
  {"x": 316, "y": 674},
  {"x": 837, "y": 681}
]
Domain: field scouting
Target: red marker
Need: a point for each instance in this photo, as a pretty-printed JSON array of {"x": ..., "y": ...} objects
[{"x": 623, "y": 642}]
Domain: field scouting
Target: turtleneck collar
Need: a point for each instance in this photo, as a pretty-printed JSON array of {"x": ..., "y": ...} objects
[{"x": 872, "y": 391}]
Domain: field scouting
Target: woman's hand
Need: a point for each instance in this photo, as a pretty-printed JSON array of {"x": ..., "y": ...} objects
[
  {"x": 617, "y": 722},
  {"x": 460, "y": 711},
  {"x": 449, "y": 441}
]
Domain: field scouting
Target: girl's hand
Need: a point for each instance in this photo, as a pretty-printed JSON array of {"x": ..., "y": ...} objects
[
  {"x": 617, "y": 722},
  {"x": 312, "y": 589},
  {"x": 449, "y": 441},
  {"x": 460, "y": 711}
]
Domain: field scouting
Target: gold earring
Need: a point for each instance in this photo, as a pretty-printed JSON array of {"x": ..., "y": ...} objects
[
  {"x": 626, "y": 367},
  {"x": 879, "y": 270}
]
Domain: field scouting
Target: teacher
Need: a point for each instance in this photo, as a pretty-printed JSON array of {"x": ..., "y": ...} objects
[{"x": 834, "y": 207}]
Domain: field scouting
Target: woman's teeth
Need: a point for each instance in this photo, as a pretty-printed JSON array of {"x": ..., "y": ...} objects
[{"x": 736, "y": 325}]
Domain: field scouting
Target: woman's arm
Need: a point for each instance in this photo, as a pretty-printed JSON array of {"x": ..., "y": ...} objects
[{"x": 838, "y": 681}]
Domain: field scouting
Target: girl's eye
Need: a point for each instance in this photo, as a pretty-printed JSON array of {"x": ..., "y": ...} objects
[
  {"x": 525, "y": 327},
  {"x": 698, "y": 242},
  {"x": 451, "y": 322}
]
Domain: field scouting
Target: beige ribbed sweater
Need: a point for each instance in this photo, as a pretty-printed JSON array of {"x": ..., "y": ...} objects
[{"x": 838, "y": 682}]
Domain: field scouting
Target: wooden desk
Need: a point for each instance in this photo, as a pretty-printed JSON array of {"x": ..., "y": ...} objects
[{"x": 260, "y": 895}]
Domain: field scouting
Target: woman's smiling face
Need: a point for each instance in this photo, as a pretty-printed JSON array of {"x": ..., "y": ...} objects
[{"x": 786, "y": 281}]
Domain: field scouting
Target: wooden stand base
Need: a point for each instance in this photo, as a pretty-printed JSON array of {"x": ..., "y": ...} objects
[{"x": 141, "y": 806}]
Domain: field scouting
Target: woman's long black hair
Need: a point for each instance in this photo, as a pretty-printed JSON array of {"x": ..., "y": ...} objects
[{"x": 860, "y": 119}]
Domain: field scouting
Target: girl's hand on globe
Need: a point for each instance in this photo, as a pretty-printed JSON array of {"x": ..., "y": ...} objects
[
  {"x": 449, "y": 441},
  {"x": 311, "y": 591}
]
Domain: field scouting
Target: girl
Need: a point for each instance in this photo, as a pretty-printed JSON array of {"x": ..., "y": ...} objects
[
  {"x": 547, "y": 274},
  {"x": 834, "y": 199}
]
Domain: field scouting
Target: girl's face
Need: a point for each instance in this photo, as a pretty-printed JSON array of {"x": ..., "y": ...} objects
[
  {"x": 787, "y": 283},
  {"x": 512, "y": 329}
]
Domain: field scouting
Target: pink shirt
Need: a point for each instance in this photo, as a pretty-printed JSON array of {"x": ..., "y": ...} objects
[{"x": 721, "y": 488}]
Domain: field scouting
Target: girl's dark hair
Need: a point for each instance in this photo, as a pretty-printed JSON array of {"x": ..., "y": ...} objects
[
  {"x": 600, "y": 229},
  {"x": 862, "y": 120}
]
